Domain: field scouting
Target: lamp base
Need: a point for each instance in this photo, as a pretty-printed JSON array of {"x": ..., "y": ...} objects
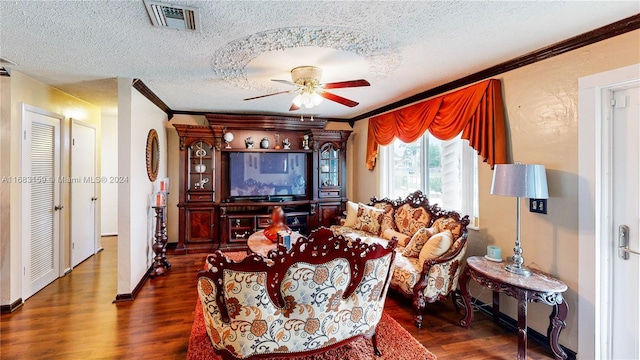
[{"x": 519, "y": 270}]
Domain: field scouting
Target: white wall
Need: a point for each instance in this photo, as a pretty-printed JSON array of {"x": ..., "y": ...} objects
[
  {"x": 109, "y": 191},
  {"x": 357, "y": 172},
  {"x": 6, "y": 265},
  {"x": 136, "y": 116}
]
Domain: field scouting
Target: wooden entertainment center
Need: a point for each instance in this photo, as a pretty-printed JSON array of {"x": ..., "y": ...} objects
[{"x": 220, "y": 208}]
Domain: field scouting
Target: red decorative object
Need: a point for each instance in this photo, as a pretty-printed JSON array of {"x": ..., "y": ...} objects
[{"x": 278, "y": 223}]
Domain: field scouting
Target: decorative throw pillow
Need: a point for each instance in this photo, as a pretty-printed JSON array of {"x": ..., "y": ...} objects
[
  {"x": 402, "y": 238},
  {"x": 437, "y": 245},
  {"x": 410, "y": 219},
  {"x": 387, "y": 219},
  {"x": 448, "y": 223},
  {"x": 352, "y": 214},
  {"x": 417, "y": 242},
  {"x": 369, "y": 219}
]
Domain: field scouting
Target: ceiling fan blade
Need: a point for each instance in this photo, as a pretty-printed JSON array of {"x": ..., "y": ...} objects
[
  {"x": 294, "y": 107},
  {"x": 338, "y": 99},
  {"x": 285, "y": 82},
  {"x": 261, "y": 96},
  {"x": 346, "y": 84}
]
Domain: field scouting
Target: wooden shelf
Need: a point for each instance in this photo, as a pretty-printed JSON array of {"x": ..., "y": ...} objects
[{"x": 206, "y": 216}]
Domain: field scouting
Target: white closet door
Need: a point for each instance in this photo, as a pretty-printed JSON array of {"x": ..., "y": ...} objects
[
  {"x": 40, "y": 199},
  {"x": 83, "y": 192}
]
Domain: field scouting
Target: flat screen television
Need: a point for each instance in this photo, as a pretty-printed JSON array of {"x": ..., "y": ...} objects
[{"x": 277, "y": 175}]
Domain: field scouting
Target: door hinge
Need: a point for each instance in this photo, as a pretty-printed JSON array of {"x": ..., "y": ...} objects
[
  {"x": 613, "y": 102},
  {"x": 73, "y": 142},
  {"x": 25, "y": 135}
]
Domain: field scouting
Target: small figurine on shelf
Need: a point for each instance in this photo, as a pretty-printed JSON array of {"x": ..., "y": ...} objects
[
  {"x": 277, "y": 146},
  {"x": 264, "y": 144},
  {"x": 305, "y": 142},
  {"x": 248, "y": 142},
  {"x": 286, "y": 144},
  {"x": 228, "y": 137}
]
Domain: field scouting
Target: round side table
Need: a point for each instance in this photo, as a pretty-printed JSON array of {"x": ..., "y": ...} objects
[{"x": 539, "y": 287}]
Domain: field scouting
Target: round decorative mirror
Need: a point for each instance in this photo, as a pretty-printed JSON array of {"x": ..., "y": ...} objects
[{"x": 153, "y": 155}]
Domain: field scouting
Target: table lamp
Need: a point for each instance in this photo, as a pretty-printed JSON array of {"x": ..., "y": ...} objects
[{"x": 519, "y": 180}]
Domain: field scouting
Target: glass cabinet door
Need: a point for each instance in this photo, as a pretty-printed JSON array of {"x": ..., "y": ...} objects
[
  {"x": 329, "y": 166},
  {"x": 201, "y": 170}
]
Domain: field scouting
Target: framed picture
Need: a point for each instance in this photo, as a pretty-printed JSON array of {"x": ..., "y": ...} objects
[{"x": 274, "y": 163}]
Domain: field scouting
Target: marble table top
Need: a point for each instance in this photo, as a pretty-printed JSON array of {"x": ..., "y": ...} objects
[{"x": 537, "y": 281}]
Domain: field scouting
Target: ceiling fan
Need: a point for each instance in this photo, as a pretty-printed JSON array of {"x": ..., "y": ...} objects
[{"x": 310, "y": 92}]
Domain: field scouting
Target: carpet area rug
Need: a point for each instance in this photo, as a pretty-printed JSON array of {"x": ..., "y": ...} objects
[{"x": 394, "y": 341}]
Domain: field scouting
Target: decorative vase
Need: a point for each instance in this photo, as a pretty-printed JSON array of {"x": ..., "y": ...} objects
[
  {"x": 264, "y": 144},
  {"x": 278, "y": 223}
]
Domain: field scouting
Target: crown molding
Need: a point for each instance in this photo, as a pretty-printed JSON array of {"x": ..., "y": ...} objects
[{"x": 146, "y": 92}]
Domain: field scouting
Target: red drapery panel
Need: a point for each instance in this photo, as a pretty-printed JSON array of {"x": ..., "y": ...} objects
[{"x": 476, "y": 111}]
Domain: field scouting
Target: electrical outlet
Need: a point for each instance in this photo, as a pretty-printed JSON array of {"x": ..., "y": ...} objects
[{"x": 538, "y": 206}]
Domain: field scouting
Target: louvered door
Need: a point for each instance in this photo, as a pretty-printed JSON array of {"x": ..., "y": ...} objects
[{"x": 40, "y": 184}]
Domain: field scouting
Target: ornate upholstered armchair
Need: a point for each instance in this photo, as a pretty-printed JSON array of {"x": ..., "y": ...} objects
[{"x": 323, "y": 292}]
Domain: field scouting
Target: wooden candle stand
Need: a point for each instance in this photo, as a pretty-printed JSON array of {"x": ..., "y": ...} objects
[{"x": 160, "y": 264}]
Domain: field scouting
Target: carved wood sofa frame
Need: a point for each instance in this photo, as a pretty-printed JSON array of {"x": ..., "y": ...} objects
[
  {"x": 415, "y": 200},
  {"x": 321, "y": 247}
]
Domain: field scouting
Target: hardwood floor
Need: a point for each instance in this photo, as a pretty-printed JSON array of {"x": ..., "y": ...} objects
[{"x": 74, "y": 318}]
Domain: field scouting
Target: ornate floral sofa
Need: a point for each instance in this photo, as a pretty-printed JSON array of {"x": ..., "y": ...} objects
[
  {"x": 426, "y": 270},
  {"x": 322, "y": 293}
]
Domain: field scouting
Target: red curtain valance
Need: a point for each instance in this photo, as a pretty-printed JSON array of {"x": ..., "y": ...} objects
[{"x": 476, "y": 110}]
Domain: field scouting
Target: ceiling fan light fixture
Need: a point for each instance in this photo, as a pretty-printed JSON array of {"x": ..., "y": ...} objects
[
  {"x": 302, "y": 73},
  {"x": 309, "y": 92},
  {"x": 297, "y": 101},
  {"x": 307, "y": 100},
  {"x": 316, "y": 99}
]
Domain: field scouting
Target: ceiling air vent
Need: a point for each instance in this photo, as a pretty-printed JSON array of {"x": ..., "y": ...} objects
[{"x": 173, "y": 16}]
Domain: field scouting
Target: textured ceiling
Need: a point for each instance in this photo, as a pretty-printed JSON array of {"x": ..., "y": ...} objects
[{"x": 402, "y": 48}]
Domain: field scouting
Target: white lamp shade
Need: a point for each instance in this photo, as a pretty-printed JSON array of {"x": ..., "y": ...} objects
[
  {"x": 316, "y": 98},
  {"x": 297, "y": 101},
  {"x": 520, "y": 180}
]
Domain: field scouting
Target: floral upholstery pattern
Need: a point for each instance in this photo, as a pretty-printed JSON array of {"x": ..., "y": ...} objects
[
  {"x": 434, "y": 278},
  {"x": 447, "y": 223},
  {"x": 348, "y": 231},
  {"x": 369, "y": 219},
  {"x": 417, "y": 242},
  {"x": 409, "y": 219},
  {"x": 387, "y": 219},
  {"x": 317, "y": 311},
  {"x": 442, "y": 278}
]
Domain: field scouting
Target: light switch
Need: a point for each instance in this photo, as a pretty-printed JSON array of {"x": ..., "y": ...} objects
[{"x": 538, "y": 206}]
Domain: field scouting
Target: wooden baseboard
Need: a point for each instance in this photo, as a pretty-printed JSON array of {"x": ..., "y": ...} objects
[
  {"x": 512, "y": 324},
  {"x": 132, "y": 295},
  {"x": 5, "y": 309}
]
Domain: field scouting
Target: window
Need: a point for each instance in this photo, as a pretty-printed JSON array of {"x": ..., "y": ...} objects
[{"x": 446, "y": 171}]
